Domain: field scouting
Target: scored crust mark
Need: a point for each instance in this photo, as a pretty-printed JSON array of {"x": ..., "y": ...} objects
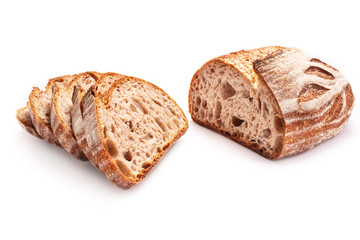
[
  {"x": 135, "y": 123},
  {"x": 311, "y": 91},
  {"x": 276, "y": 101},
  {"x": 317, "y": 71},
  {"x": 311, "y": 101}
]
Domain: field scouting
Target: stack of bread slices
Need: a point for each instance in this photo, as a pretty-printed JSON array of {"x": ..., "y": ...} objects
[{"x": 123, "y": 125}]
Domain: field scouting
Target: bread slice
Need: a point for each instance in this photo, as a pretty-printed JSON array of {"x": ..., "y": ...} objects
[
  {"x": 40, "y": 107},
  {"x": 24, "y": 118},
  {"x": 78, "y": 125},
  {"x": 276, "y": 101},
  {"x": 130, "y": 128},
  {"x": 61, "y": 105}
]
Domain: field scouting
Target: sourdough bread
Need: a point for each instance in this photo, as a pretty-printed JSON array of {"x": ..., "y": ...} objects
[
  {"x": 276, "y": 101},
  {"x": 77, "y": 121},
  {"x": 61, "y": 106},
  {"x": 40, "y": 108},
  {"x": 130, "y": 128},
  {"x": 24, "y": 118}
]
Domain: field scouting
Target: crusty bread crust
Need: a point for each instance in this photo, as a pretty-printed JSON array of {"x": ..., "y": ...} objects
[
  {"x": 24, "y": 118},
  {"x": 313, "y": 99},
  {"x": 241, "y": 61},
  {"x": 78, "y": 123},
  {"x": 95, "y": 139},
  {"x": 41, "y": 124},
  {"x": 62, "y": 131}
]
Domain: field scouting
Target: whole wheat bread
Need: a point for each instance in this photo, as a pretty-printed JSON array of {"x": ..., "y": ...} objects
[
  {"x": 276, "y": 101},
  {"x": 40, "y": 108},
  {"x": 61, "y": 106},
  {"x": 129, "y": 128}
]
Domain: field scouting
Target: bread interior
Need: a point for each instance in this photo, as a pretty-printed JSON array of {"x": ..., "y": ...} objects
[
  {"x": 139, "y": 122},
  {"x": 222, "y": 99}
]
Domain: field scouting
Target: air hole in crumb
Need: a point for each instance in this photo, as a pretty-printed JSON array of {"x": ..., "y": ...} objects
[
  {"x": 237, "y": 121},
  {"x": 149, "y": 136},
  {"x": 198, "y": 101},
  {"x": 105, "y": 131},
  {"x": 111, "y": 147},
  {"x": 123, "y": 168},
  {"x": 278, "y": 144},
  {"x": 250, "y": 99},
  {"x": 204, "y": 104},
  {"x": 245, "y": 94},
  {"x": 128, "y": 155},
  {"x": 266, "y": 110},
  {"x": 227, "y": 91},
  {"x": 145, "y": 165},
  {"x": 196, "y": 109},
  {"x": 133, "y": 108},
  {"x": 161, "y": 124},
  {"x": 157, "y": 102},
  {"x": 221, "y": 72},
  {"x": 140, "y": 106},
  {"x": 212, "y": 70},
  {"x": 279, "y": 124},
  {"x": 227, "y": 134},
  {"x": 113, "y": 128},
  {"x": 259, "y": 103},
  {"x": 217, "y": 110},
  {"x": 266, "y": 133}
]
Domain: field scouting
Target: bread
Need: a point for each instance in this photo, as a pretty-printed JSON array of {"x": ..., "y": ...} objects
[
  {"x": 24, "y": 118},
  {"x": 129, "y": 128},
  {"x": 77, "y": 121},
  {"x": 40, "y": 107},
  {"x": 276, "y": 101},
  {"x": 61, "y": 105}
]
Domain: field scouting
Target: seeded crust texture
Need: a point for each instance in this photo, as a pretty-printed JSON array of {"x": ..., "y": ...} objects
[
  {"x": 61, "y": 106},
  {"x": 130, "y": 128},
  {"x": 40, "y": 108},
  {"x": 276, "y": 101}
]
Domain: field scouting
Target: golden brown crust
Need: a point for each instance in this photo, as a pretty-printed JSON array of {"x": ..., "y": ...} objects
[
  {"x": 311, "y": 123},
  {"x": 42, "y": 127},
  {"x": 24, "y": 118},
  {"x": 63, "y": 133},
  {"x": 97, "y": 146}
]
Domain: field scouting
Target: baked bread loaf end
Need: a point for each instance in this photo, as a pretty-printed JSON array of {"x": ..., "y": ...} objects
[{"x": 276, "y": 101}]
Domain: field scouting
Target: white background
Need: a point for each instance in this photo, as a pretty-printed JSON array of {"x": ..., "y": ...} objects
[{"x": 206, "y": 187}]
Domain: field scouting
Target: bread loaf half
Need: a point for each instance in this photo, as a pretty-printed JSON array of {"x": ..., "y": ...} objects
[
  {"x": 276, "y": 101},
  {"x": 40, "y": 108},
  {"x": 61, "y": 106},
  {"x": 129, "y": 128}
]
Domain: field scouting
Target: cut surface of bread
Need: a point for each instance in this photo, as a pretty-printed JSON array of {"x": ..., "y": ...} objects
[
  {"x": 130, "y": 128},
  {"x": 102, "y": 85},
  {"x": 40, "y": 108},
  {"x": 24, "y": 118},
  {"x": 61, "y": 106},
  {"x": 276, "y": 101}
]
